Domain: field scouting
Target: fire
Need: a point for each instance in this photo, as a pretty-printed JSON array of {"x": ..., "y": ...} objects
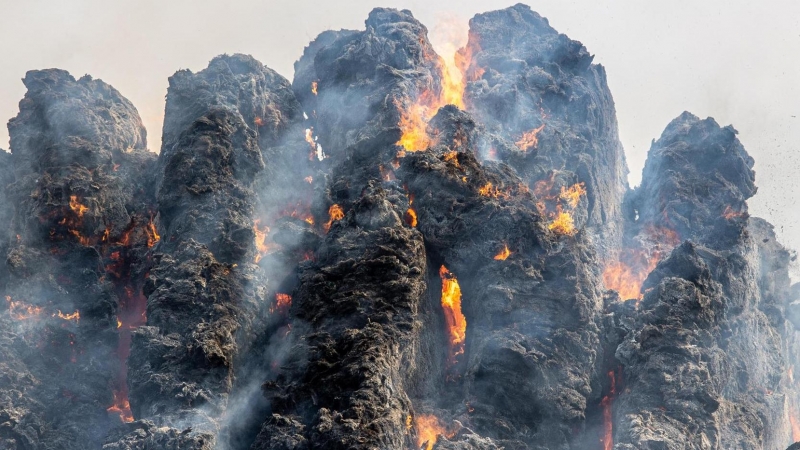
[
  {"x": 529, "y": 139},
  {"x": 627, "y": 275},
  {"x": 729, "y": 213},
  {"x": 429, "y": 428},
  {"x": 456, "y": 322},
  {"x": 260, "y": 240},
  {"x": 76, "y": 316},
  {"x": 258, "y": 121},
  {"x": 608, "y": 420},
  {"x": 335, "y": 212},
  {"x": 122, "y": 407},
  {"x": 573, "y": 194},
  {"x": 152, "y": 234},
  {"x": 562, "y": 223},
  {"x": 76, "y": 206},
  {"x": 448, "y": 36},
  {"x": 21, "y": 310},
  {"x": 504, "y": 253},
  {"x": 452, "y": 158},
  {"x": 282, "y": 304},
  {"x": 411, "y": 217},
  {"x": 314, "y": 87},
  {"x": 119, "y": 324},
  {"x": 309, "y": 179}
]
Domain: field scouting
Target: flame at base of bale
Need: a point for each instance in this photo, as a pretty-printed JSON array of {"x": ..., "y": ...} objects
[{"x": 455, "y": 320}]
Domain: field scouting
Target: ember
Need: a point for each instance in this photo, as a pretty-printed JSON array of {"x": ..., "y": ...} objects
[{"x": 529, "y": 139}]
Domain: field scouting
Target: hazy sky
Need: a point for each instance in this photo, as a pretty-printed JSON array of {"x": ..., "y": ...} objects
[{"x": 737, "y": 61}]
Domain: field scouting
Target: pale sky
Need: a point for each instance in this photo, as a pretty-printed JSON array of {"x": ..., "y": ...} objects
[{"x": 737, "y": 61}]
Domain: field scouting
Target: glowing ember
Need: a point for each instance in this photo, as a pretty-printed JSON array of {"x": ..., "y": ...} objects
[
  {"x": 21, "y": 310},
  {"x": 429, "y": 428},
  {"x": 314, "y": 87},
  {"x": 335, "y": 212},
  {"x": 730, "y": 213},
  {"x": 562, "y": 223},
  {"x": 529, "y": 139},
  {"x": 309, "y": 179},
  {"x": 121, "y": 407},
  {"x": 504, "y": 254},
  {"x": 608, "y": 420},
  {"x": 456, "y": 322},
  {"x": 76, "y": 316},
  {"x": 258, "y": 121},
  {"x": 76, "y": 206},
  {"x": 282, "y": 304}
]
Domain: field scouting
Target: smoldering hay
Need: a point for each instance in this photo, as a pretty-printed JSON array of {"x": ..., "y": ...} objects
[{"x": 395, "y": 250}]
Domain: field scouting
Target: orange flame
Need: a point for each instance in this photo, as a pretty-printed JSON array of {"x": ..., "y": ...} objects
[
  {"x": 76, "y": 316},
  {"x": 122, "y": 407},
  {"x": 608, "y": 420},
  {"x": 627, "y": 275},
  {"x": 429, "y": 428},
  {"x": 456, "y": 322},
  {"x": 76, "y": 206},
  {"x": 562, "y": 223},
  {"x": 282, "y": 304},
  {"x": 529, "y": 139},
  {"x": 335, "y": 212},
  {"x": 573, "y": 194},
  {"x": 411, "y": 217},
  {"x": 729, "y": 213},
  {"x": 21, "y": 310},
  {"x": 414, "y": 117},
  {"x": 152, "y": 234},
  {"x": 260, "y": 240},
  {"x": 504, "y": 253},
  {"x": 314, "y": 87}
]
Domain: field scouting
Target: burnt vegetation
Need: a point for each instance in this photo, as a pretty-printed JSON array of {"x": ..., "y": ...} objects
[{"x": 396, "y": 250}]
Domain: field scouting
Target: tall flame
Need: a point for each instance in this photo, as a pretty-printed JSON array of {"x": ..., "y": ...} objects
[
  {"x": 608, "y": 419},
  {"x": 447, "y": 36},
  {"x": 456, "y": 322},
  {"x": 121, "y": 407}
]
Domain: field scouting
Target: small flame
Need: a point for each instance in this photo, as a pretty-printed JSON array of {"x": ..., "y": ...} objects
[
  {"x": 76, "y": 316},
  {"x": 152, "y": 234},
  {"x": 314, "y": 87},
  {"x": 260, "y": 240},
  {"x": 21, "y": 310},
  {"x": 504, "y": 253},
  {"x": 411, "y": 217},
  {"x": 562, "y": 223},
  {"x": 309, "y": 179},
  {"x": 429, "y": 428},
  {"x": 121, "y": 407},
  {"x": 76, "y": 206},
  {"x": 573, "y": 194},
  {"x": 335, "y": 212},
  {"x": 529, "y": 139},
  {"x": 730, "y": 213},
  {"x": 627, "y": 275},
  {"x": 282, "y": 304},
  {"x": 456, "y": 322},
  {"x": 258, "y": 121},
  {"x": 119, "y": 324}
]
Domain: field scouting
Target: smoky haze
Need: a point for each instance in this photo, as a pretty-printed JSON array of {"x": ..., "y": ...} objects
[{"x": 733, "y": 60}]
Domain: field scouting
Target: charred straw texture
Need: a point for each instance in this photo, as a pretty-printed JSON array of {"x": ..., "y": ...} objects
[{"x": 347, "y": 261}]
